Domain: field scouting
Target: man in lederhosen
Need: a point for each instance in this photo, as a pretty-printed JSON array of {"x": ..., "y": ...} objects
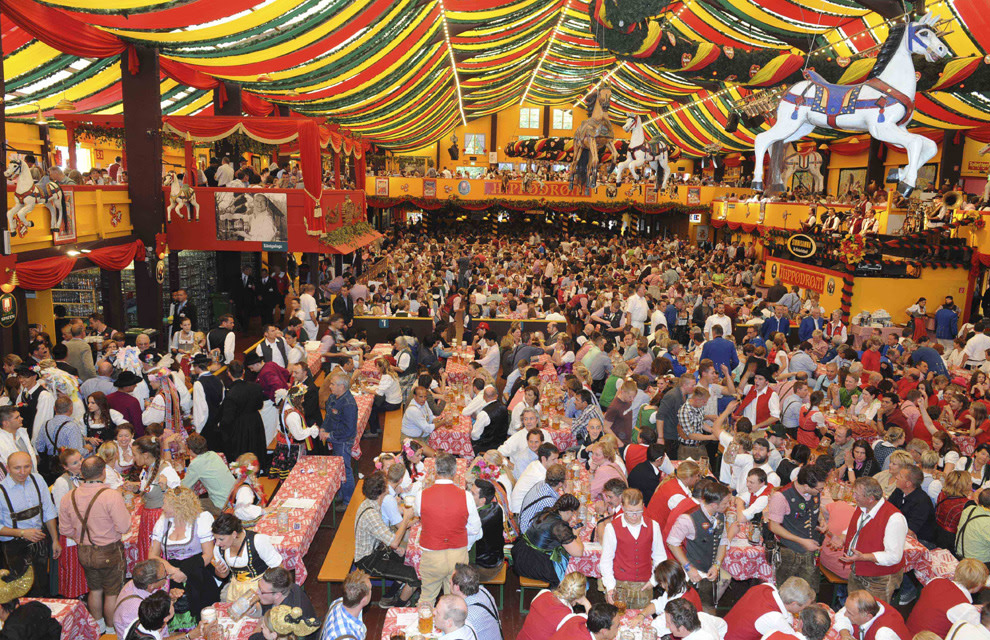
[
  {"x": 698, "y": 541},
  {"x": 26, "y": 512}
]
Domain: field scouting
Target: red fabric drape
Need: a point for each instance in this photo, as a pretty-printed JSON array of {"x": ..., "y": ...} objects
[
  {"x": 117, "y": 257},
  {"x": 844, "y": 148},
  {"x": 190, "y": 160},
  {"x": 254, "y": 105},
  {"x": 40, "y": 275},
  {"x": 66, "y": 34}
]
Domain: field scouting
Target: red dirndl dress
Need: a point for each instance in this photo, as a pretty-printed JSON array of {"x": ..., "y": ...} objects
[
  {"x": 71, "y": 577},
  {"x": 148, "y": 519}
]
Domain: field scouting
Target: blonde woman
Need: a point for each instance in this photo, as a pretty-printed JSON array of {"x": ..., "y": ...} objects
[
  {"x": 183, "y": 540},
  {"x": 283, "y": 622},
  {"x": 549, "y": 608},
  {"x": 109, "y": 453},
  {"x": 388, "y": 395}
]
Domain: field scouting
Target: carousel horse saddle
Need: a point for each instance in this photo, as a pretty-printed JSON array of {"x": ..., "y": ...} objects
[{"x": 836, "y": 100}]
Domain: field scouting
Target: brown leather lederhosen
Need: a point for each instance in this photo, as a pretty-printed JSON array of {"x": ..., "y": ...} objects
[
  {"x": 93, "y": 556},
  {"x": 18, "y": 551}
]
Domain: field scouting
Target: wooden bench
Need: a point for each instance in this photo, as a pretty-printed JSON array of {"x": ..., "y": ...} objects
[
  {"x": 529, "y": 583},
  {"x": 340, "y": 556},
  {"x": 834, "y": 580},
  {"x": 499, "y": 581},
  {"x": 392, "y": 434}
]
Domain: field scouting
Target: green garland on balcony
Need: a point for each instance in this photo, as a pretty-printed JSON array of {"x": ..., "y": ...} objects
[
  {"x": 344, "y": 235},
  {"x": 114, "y": 136}
]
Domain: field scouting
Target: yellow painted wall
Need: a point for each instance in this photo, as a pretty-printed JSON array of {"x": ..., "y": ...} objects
[
  {"x": 895, "y": 295},
  {"x": 93, "y": 218},
  {"x": 974, "y": 164},
  {"x": 837, "y": 162},
  {"x": 41, "y": 309}
]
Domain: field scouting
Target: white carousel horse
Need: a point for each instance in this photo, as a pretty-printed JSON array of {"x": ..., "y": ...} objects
[
  {"x": 641, "y": 152},
  {"x": 180, "y": 196},
  {"x": 27, "y": 194},
  {"x": 882, "y": 106},
  {"x": 810, "y": 162}
]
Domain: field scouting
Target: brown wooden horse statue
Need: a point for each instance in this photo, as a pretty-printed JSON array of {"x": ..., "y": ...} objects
[{"x": 594, "y": 132}]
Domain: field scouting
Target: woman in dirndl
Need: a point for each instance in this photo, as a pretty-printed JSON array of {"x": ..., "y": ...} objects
[
  {"x": 71, "y": 578},
  {"x": 247, "y": 497},
  {"x": 294, "y": 437},
  {"x": 919, "y": 318},
  {"x": 156, "y": 478},
  {"x": 165, "y": 409}
]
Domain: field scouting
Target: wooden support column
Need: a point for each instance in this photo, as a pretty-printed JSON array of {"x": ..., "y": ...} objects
[
  {"x": 874, "y": 164},
  {"x": 493, "y": 145},
  {"x": 112, "y": 299},
  {"x": 950, "y": 166},
  {"x": 143, "y": 140},
  {"x": 231, "y": 107},
  {"x": 546, "y": 121},
  {"x": 70, "y": 133},
  {"x": 13, "y": 339},
  {"x": 283, "y": 110},
  {"x": 438, "y": 160},
  {"x": 336, "y": 166},
  {"x": 46, "y": 147}
]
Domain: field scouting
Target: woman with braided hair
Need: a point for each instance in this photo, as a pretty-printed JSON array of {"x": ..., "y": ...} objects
[
  {"x": 247, "y": 497},
  {"x": 157, "y": 477},
  {"x": 283, "y": 622}
]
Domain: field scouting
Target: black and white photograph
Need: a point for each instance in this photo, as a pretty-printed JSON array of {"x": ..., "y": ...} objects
[{"x": 254, "y": 217}]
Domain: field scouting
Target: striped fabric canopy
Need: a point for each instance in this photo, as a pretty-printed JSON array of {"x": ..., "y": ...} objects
[{"x": 403, "y": 73}]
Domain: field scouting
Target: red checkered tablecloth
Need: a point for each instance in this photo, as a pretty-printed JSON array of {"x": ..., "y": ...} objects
[
  {"x": 364, "y": 402},
  {"x": 314, "y": 360},
  {"x": 76, "y": 621},
  {"x": 314, "y": 477},
  {"x": 455, "y": 439},
  {"x": 745, "y": 561},
  {"x": 458, "y": 372}
]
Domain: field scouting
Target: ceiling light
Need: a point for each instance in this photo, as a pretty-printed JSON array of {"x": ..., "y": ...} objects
[
  {"x": 72, "y": 252},
  {"x": 65, "y": 105},
  {"x": 40, "y": 120}
]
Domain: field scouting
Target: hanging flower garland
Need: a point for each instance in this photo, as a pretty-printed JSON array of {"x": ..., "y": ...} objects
[
  {"x": 344, "y": 235},
  {"x": 114, "y": 136},
  {"x": 852, "y": 250}
]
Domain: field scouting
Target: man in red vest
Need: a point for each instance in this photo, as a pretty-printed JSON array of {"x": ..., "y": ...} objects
[
  {"x": 944, "y": 602},
  {"x": 764, "y": 609},
  {"x": 672, "y": 491},
  {"x": 866, "y": 618},
  {"x": 631, "y": 547},
  {"x": 760, "y": 403},
  {"x": 450, "y": 526},
  {"x": 601, "y": 623},
  {"x": 874, "y": 542}
]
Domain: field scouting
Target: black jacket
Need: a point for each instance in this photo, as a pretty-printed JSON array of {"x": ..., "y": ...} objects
[
  {"x": 344, "y": 306},
  {"x": 311, "y": 402},
  {"x": 490, "y": 548},
  {"x": 241, "y": 427},
  {"x": 645, "y": 478}
]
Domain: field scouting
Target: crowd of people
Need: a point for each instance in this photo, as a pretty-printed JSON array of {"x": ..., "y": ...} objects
[{"x": 699, "y": 408}]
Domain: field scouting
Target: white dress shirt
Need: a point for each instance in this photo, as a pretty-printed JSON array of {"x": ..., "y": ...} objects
[
  {"x": 976, "y": 349},
  {"x": 534, "y": 474},
  {"x": 276, "y": 354},
  {"x": 750, "y": 410},
  {"x": 389, "y": 387},
  {"x": 758, "y": 505},
  {"x": 609, "y": 543},
  {"x": 894, "y": 535},
  {"x": 200, "y": 408},
  {"x": 842, "y": 623},
  {"x": 475, "y": 405},
  {"x": 712, "y": 627},
  {"x": 46, "y": 408},
  {"x": 9, "y": 444},
  {"x": 676, "y": 498},
  {"x": 481, "y": 421},
  {"x": 518, "y": 452},
  {"x": 720, "y": 320},
  {"x": 772, "y": 477},
  {"x": 417, "y": 420},
  {"x": 638, "y": 311},
  {"x": 490, "y": 360},
  {"x": 473, "y": 522}
]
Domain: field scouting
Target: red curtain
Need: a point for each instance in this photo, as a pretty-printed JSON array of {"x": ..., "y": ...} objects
[
  {"x": 117, "y": 257},
  {"x": 254, "y": 105},
  {"x": 40, "y": 275},
  {"x": 66, "y": 34}
]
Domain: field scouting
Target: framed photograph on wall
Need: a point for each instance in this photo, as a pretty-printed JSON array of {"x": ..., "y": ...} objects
[
  {"x": 253, "y": 217},
  {"x": 928, "y": 177}
]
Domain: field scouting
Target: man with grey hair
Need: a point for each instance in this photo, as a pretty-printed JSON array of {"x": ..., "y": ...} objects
[
  {"x": 340, "y": 429},
  {"x": 147, "y": 576},
  {"x": 874, "y": 542},
  {"x": 450, "y": 526},
  {"x": 864, "y": 616},
  {"x": 765, "y": 610},
  {"x": 482, "y": 608},
  {"x": 450, "y": 617}
]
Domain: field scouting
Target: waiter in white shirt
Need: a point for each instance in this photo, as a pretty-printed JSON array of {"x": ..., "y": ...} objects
[
  {"x": 637, "y": 309},
  {"x": 631, "y": 547}
]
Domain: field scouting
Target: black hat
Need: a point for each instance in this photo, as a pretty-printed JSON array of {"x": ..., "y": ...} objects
[
  {"x": 766, "y": 373},
  {"x": 201, "y": 360},
  {"x": 252, "y": 358},
  {"x": 148, "y": 356},
  {"x": 777, "y": 429},
  {"x": 26, "y": 371},
  {"x": 126, "y": 379}
]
